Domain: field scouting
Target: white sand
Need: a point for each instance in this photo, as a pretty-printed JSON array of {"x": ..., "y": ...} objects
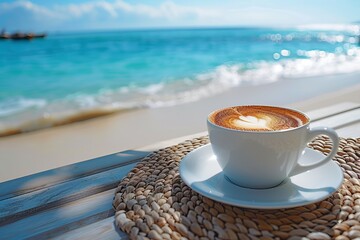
[{"x": 45, "y": 149}]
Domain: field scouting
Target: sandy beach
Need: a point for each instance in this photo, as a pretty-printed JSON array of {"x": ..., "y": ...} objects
[{"x": 32, "y": 152}]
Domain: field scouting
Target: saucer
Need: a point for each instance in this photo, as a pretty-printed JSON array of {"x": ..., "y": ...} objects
[{"x": 201, "y": 171}]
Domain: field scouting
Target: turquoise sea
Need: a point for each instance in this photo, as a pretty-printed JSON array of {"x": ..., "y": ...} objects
[{"x": 45, "y": 82}]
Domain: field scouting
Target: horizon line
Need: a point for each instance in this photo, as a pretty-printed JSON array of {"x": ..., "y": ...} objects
[{"x": 321, "y": 26}]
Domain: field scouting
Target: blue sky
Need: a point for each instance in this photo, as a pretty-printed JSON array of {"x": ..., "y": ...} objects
[{"x": 70, "y": 15}]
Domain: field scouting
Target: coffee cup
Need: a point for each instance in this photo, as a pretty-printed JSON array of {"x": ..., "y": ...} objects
[{"x": 260, "y": 146}]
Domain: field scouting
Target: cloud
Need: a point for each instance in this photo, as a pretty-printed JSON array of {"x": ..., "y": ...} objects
[
  {"x": 79, "y": 10},
  {"x": 98, "y": 14},
  {"x": 166, "y": 9},
  {"x": 171, "y": 10},
  {"x": 121, "y": 13},
  {"x": 28, "y": 6}
]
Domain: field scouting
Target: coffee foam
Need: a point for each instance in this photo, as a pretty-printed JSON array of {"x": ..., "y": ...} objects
[{"x": 258, "y": 118}]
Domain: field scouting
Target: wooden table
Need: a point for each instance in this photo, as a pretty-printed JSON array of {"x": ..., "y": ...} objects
[{"x": 75, "y": 201}]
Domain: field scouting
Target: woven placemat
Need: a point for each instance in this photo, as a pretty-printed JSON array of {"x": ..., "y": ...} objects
[{"x": 152, "y": 202}]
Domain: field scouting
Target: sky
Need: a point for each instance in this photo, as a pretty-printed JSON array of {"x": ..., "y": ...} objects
[{"x": 72, "y": 15}]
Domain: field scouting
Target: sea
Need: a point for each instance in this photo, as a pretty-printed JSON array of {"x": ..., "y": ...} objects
[{"x": 73, "y": 76}]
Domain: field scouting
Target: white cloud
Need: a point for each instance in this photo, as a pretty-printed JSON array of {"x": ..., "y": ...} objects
[
  {"x": 167, "y": 9},
  {"x": 79, "y": 10},
  {"x": 29, "y": 6},
  {"x": 163, "y": 14}
]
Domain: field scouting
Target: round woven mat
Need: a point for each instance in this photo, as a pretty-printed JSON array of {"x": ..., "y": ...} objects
[{"x": 152, "y": 202}]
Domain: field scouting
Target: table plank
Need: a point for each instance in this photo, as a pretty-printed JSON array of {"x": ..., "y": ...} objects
[
  {"x": 349, "y": 131},
  {"x": 332, "y": 110},
  {"x": 339, "y": 120},
  {"x": 104, "y": 229},
  {"x": 24, "y": 205},
  {"x": 52, "y": 177},
  {"x": 61, "y": 219}
]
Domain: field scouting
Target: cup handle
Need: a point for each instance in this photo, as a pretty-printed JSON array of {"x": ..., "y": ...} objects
[{"x": 299, "y": 168}]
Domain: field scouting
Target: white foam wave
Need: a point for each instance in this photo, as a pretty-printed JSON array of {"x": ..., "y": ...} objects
[
  {"x": 152, "y": 89},
  {"x": 19, "y": 104},
  {"x": 316, "y": 63},
  {"x": 43, "y": 114}
]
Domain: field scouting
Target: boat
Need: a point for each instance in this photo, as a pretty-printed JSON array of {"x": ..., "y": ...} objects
[{"x": 21, "y": 36}]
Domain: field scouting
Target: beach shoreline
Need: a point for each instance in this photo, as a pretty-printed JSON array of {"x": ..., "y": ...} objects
[
  {"x": 154, "y": 69},
  {"x": 36, "y": 151}
]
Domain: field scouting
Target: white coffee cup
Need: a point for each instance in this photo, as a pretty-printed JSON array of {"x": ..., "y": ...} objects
[{"x": 263, "y": 159}]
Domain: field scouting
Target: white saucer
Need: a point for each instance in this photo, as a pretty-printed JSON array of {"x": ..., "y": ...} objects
[{"x": 200, "y": 171}]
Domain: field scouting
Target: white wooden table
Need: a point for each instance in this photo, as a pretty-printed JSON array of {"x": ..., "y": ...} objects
[{"x": 75, "y": 201}]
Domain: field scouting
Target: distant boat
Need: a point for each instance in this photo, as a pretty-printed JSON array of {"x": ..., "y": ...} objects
[{"x": 21, "y": 36}]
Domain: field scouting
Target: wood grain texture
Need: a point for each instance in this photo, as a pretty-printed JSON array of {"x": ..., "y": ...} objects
[
  {"x": 56, "y": 221},
  {"x": 52, "y": 177},
  {"x": 28, "y": 204},
  {"x": 104, "y": 229},
  {"x": 348, "y": 131},
  {"x": 339, "y": 120},
  {"x": 332, "y": 110}
]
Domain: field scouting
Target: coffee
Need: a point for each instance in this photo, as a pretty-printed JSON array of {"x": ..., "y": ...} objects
[
  {"x": 261, "y": 146},
  {"x": 258, "y": 118}
]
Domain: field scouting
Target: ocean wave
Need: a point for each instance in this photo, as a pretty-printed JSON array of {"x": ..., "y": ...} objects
[
  {"x": 23, "y": 115},
  {"x": 14, "y": 105}
]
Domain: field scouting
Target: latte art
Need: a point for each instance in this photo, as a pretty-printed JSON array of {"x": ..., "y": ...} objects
[
  {"x": 252, "y": 122},
  {"x": 258, "y": 118}
]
